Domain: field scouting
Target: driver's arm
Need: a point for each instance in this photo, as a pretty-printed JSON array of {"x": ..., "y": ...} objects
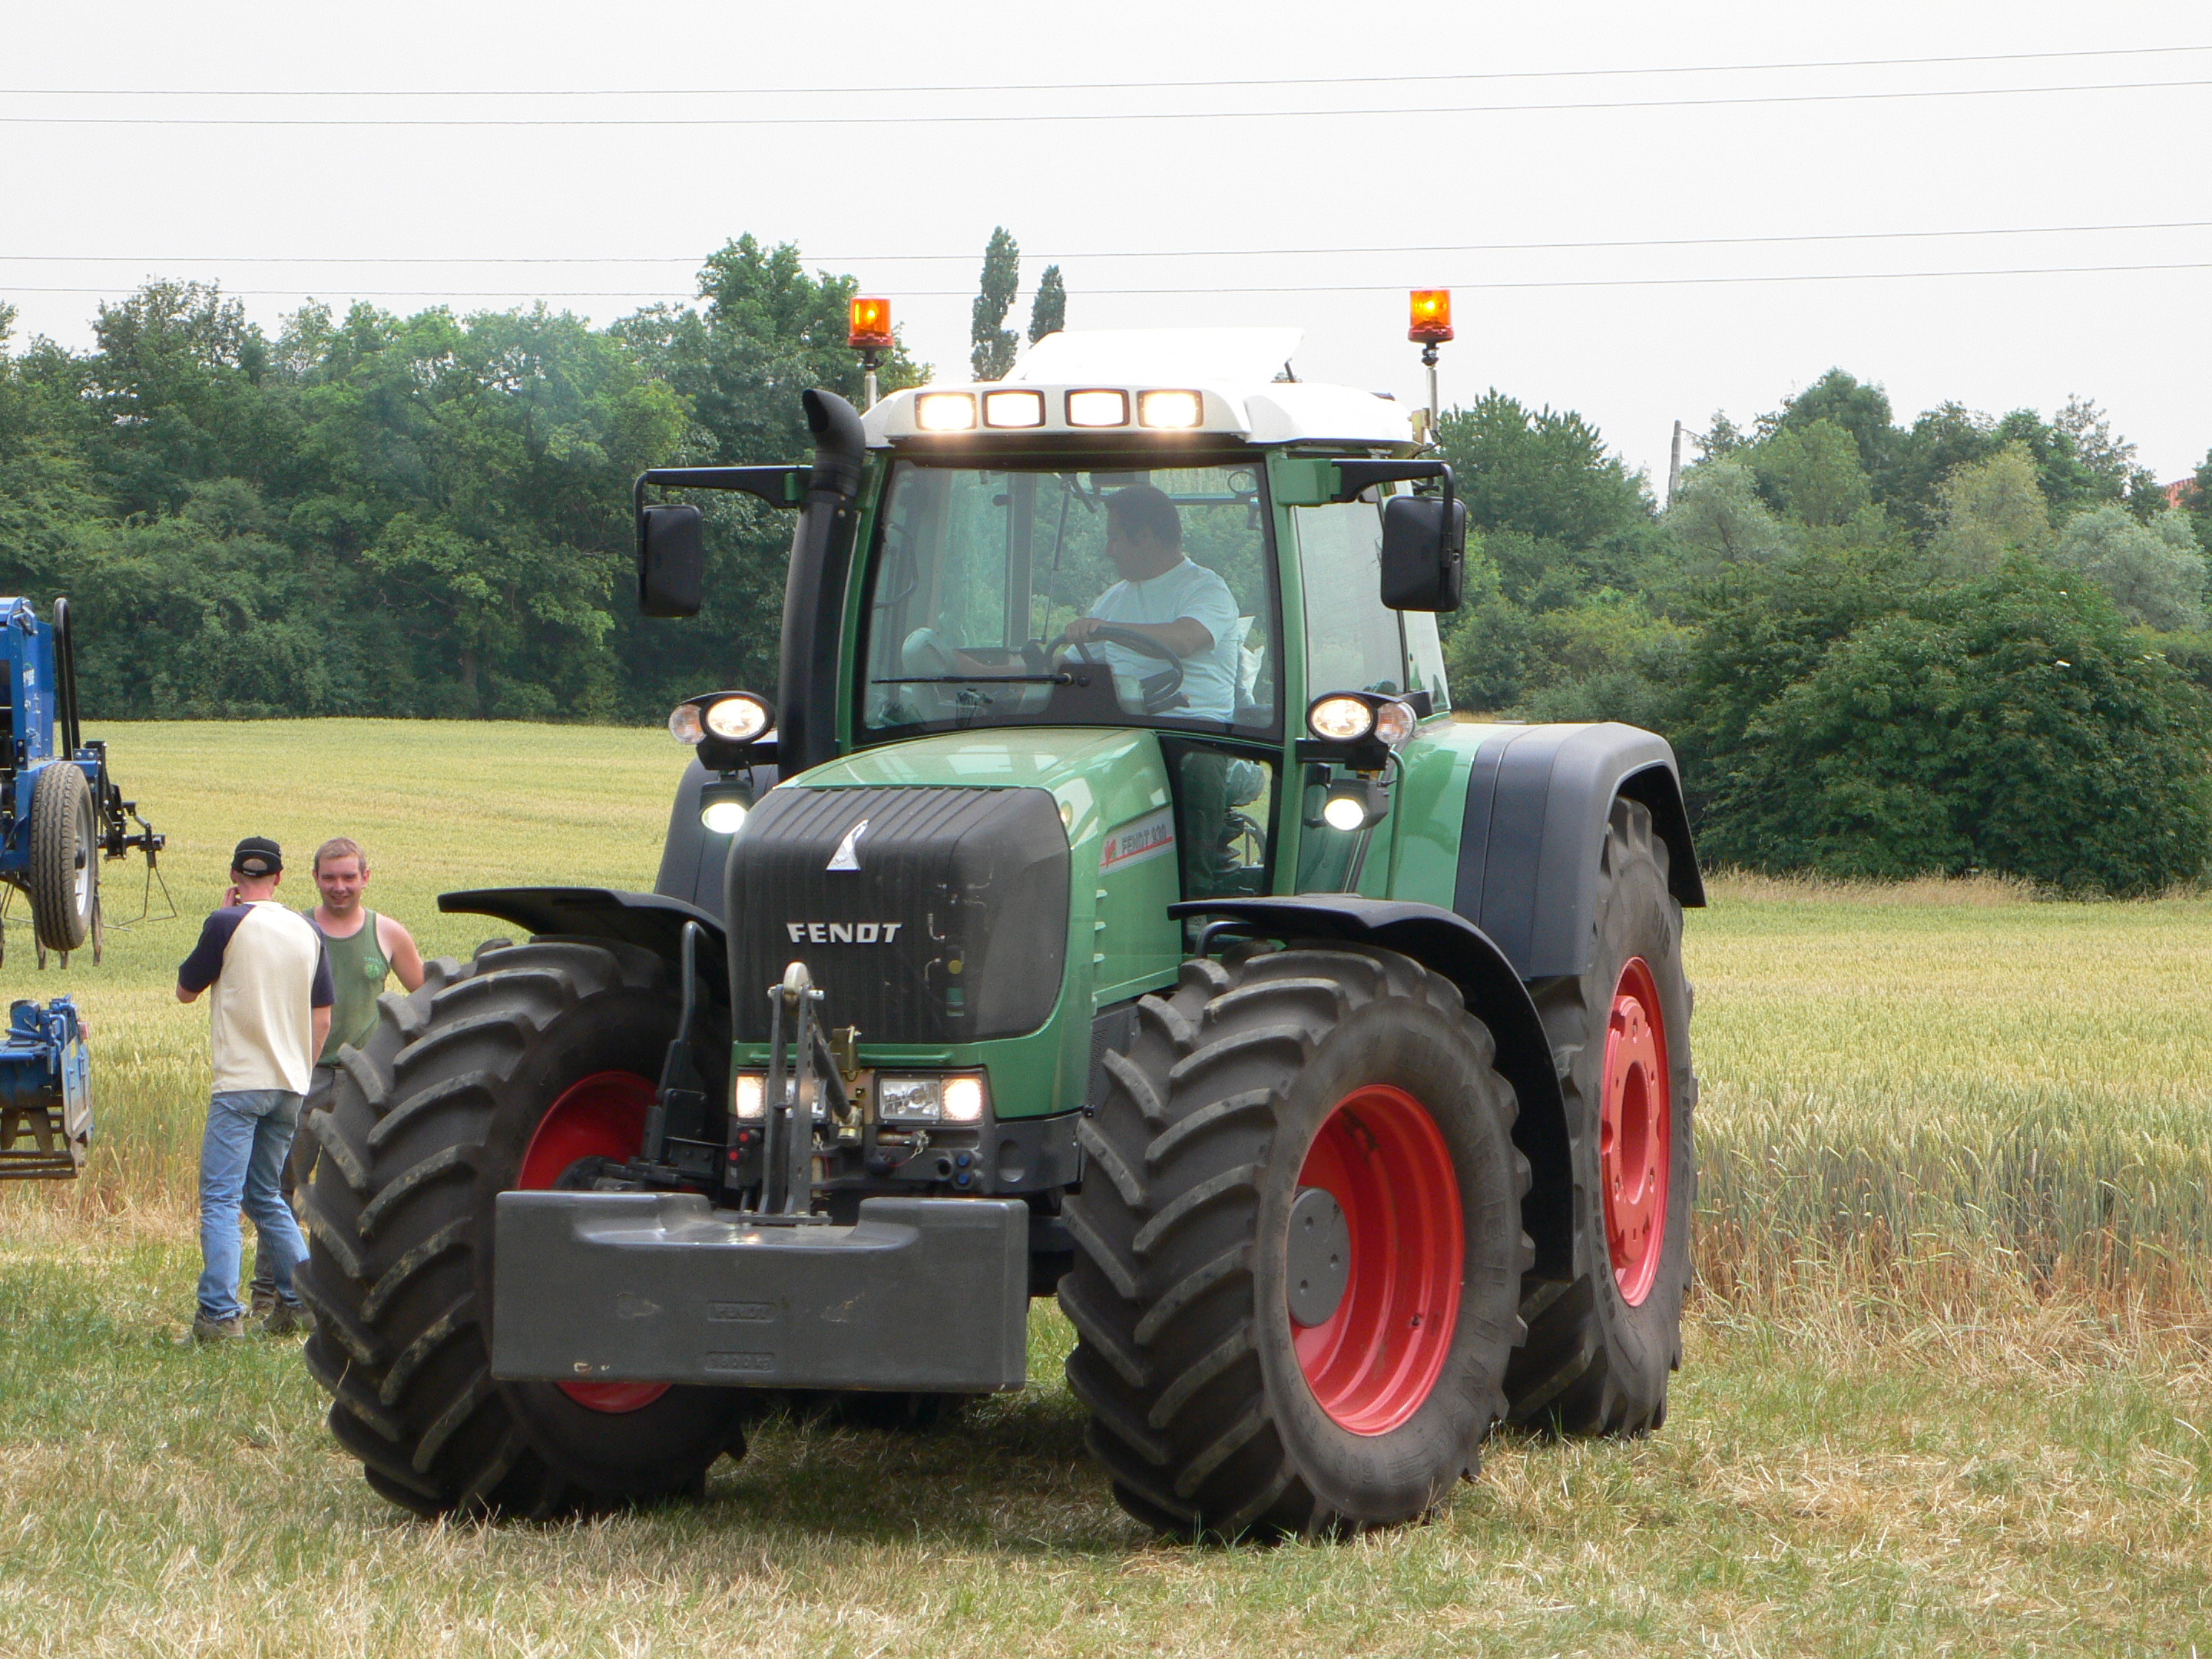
[{"x": 1186, "y": 636}]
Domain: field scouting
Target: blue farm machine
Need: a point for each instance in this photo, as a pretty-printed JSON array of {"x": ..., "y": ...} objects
[{"x": 61, "y": 816}]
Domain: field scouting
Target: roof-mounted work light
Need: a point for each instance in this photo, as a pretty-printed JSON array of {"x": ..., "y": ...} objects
[{"x": 868, "y": 331}]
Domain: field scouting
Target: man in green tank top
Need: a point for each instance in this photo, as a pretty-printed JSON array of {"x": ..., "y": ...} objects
[{"x": 364, "y": 950}]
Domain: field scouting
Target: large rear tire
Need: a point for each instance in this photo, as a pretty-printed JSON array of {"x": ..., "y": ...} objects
[
  {"x": 1298, "y": 1247},
  {"x": 1603, "y": 1341},
  {"x": 64, "y": 869},
  {"x": 500, "y": 1073}
]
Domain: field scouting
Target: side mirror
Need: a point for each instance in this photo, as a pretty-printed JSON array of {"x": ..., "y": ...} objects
[
  {"x": 1424, "y": 552},
  {"x": 671, "y": 560}
]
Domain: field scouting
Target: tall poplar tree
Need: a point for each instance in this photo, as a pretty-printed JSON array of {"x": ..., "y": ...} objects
[
  {"x": 993, "y": 342},
  {"x": 1048, "y": 310}
]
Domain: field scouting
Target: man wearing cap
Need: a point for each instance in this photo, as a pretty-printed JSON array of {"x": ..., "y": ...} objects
[
  {"x": 364, "y": 950},
  {"x": 271, "y": 1012}
]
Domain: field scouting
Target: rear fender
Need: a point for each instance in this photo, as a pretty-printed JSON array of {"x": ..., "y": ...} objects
[
  {"x": 1537, "y": 803},
  {"x": 1454, "y": 947}
]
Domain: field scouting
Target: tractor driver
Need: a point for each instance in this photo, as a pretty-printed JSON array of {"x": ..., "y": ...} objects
[
  {"x": 1166, "y": 597},
  {"x": 1189, "y": 609}
]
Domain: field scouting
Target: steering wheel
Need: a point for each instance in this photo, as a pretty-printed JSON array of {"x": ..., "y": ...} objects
[{"x": 1161, "y": 690}]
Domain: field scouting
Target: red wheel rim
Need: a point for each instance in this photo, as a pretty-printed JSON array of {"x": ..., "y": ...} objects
[
  {"x": 1636, "y": 1133},
  {"x": 1373, "y": 1362},
  {"x": 601, "y": 1116}
]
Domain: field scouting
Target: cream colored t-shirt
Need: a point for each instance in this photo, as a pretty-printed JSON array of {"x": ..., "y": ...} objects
[{"x": 270, "y": 975}]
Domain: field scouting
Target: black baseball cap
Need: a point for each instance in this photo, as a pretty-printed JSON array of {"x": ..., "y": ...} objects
[{"x": 258, "y": 855}]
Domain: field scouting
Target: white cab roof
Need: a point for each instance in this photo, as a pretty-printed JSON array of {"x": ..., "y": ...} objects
[{"x": 1234, "y": 370}]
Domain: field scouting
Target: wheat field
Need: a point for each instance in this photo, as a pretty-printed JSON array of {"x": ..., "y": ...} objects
[{"x": 1947, "y": 1388}]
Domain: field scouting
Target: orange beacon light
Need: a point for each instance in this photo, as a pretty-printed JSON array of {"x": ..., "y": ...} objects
[
  {"x": 1431, "y": 320},
  {"x": 869, "y": 329}
]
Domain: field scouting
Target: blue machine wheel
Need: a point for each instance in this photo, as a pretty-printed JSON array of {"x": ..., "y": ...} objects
[{"x": 64, "y": 876}]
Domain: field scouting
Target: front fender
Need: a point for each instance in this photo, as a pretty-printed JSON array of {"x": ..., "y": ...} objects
[
  {"x": 652, "y": 922},
  {"x": 1448, "y": 945}
]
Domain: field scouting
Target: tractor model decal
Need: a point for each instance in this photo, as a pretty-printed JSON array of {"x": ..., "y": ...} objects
[{"x": 1143, "y": 838}]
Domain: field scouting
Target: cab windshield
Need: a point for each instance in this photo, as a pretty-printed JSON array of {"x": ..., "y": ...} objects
[{"x": 1083, "y": 597}]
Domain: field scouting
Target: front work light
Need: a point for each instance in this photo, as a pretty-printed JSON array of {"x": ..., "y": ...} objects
[
  {"x": 723, "y": 806},
  {"x": 724, "y": 818},
  {"x": 1170, "y": 409},
  {"x": 870, "y": 327},
  {"x": 1013, "y": 409},
  {"x": 1354, "y": 803},
  {"x": 945, "y": 411},
  {"x": 684, "y": 724},
  {"x": 1432, "y": 316},
  {"x": 1340, "y": 718},
  {"x": 1098, "y": 409}
]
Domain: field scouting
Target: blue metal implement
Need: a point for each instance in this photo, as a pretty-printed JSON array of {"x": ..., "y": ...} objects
[{"x": 45, "y": 1092}]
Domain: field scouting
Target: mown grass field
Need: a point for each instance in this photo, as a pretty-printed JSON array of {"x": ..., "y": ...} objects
[{"x": 1949, "y": 1382}]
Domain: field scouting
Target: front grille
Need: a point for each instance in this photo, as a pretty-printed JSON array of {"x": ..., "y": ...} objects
[{"x": 952, "y": 928}]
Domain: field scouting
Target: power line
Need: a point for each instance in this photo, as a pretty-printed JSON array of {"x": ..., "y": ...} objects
[
  {"x": 1061, "y": 116},
  {"x": 1159, "y": 254},
  {"x": 1310, "y": 287},
  {"x": 1074, "y": 86}
]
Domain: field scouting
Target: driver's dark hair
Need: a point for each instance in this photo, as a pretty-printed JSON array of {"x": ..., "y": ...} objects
[{"x": 1145, "y": 510}]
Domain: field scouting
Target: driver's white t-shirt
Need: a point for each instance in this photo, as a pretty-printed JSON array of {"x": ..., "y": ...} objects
[{"x": 1209, "y": 677}]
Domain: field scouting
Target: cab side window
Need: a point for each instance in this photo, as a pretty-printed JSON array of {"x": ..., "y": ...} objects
[{"x": 1353, "y": 642}]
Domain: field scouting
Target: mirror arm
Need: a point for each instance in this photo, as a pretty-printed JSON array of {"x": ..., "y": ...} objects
[
  {"x": 1356, "y": 476},
  {"x": 779, "y": 486}
]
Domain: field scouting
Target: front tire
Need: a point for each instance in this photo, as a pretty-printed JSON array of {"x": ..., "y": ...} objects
[
  {"x": 1298, "y": 1247},
  {"x": 500, "y": 1073},
  {"x": 1603, "y": 1341}
]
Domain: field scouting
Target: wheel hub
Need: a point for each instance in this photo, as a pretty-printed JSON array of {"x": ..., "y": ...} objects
[
  {"x": 1318, "y": 1265},
  {"x": 602, "y": 1116},
  {"x": 1636, "y": 1132},
  {"x": 1375, "y": 1353}
]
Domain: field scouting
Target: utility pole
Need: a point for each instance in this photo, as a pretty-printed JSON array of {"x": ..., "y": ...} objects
[{"x": 1675, "y": 466}]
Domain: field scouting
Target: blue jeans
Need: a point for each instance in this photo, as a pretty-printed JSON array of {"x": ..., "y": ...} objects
[{"x": 249, "y": 1134}]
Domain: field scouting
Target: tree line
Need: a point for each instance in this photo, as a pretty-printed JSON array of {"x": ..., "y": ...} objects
[
  {"x": 1963, "y": 643},
  {"x": 1881, "y": 649}
]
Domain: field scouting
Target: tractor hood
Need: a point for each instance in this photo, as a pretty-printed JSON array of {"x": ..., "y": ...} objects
[{"x": 927, "y": 884}]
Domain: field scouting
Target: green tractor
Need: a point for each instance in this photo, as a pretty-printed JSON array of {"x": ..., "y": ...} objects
[{"x": 1109, "y": 905}]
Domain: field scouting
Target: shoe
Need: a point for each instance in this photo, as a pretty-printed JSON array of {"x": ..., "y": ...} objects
[
  {"x": 217, "y": 1330},
  {"x": 262, "y": 1298},
  {"x": 284, "y": 1318}
]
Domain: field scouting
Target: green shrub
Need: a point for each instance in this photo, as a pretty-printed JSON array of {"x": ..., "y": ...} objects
[{"x": 2008, "y": 725}]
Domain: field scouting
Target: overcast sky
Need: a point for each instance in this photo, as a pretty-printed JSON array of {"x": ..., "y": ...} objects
[{"x": 862, "y": 194}]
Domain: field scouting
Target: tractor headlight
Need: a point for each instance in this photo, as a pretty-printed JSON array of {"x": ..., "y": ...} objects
[
  {"x": 685, "y": 724},
  {"x": 1359, "y": 716},
  {"x": 739, "y": 718},
  {"x": 749, "y": 1096},
  {"x": 1340, "y": 718},
  {"x": 954, "y": 1098}
]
